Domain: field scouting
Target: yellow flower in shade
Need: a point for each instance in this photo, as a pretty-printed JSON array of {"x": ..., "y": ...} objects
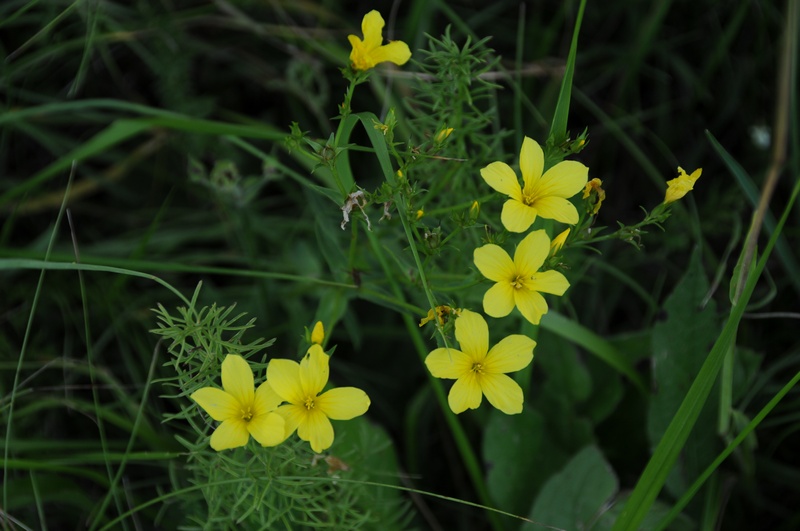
[
  {"x": 541, "y": 195},
  {"x": 318, "y": 334},
  {"x": 480, "y": 371},
  {"x": 519, "y": 282},
  {"x": 594, "y": 192},
  {"x": 558, "y": 242},
  {"x": 242, "y": 411},
  {"x": 308, "y": 411},
  {"x": 369, "y": 52},
  {"x": 681, "y": 185}
]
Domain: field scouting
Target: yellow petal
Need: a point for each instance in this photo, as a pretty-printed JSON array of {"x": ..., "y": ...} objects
[
  {"x": 217, "y": 403},
  {"x": 531, "y": 162},
  {"x": 317, "y": 430},
  {"x": 498, "y": 301},
  {"x": 359, "y": 57},
  {"x": 531, "y": 253},
  {"x": 372, "y": 29},
  {"x": 396, "y": 52},
  {"x": 284, "y": 378},
  {"x": 550, "y": 282},
  {"x": 448, "y": 363},
  {"x": 494, "y": 263},
  {"x": 266, "y": 399},
  {"x": 314, "y": 371},
  {"x": 230, "y": 434},
  {"x": 292, "y": 415},
  {"x": 557, "y": 208},
  {"x": 511, "y": 354},
  {"x": 465, "y": 394},
  {"x": 516, "y": 216},
  {"x": 267, "y": 429},
  {"x": 237, "y": 379},
  {"x": 502, "y": 178},
  {"x": 472, "y": 334},
  {"x": 565, "y": 179},
  {"x": 502, "y": 392},
  {"x": 343, "y": 403},
  {"x": 531, "y": 305}
]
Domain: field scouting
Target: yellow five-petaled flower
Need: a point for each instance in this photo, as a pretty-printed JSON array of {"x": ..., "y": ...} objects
[
  {"x": 544, "y": 195},
  {"x": 308, "y": 411},
  {"x": 369, "y": 52},
  {"x": 480, "y": 371},
  {"x": 681, "y": 185},
  {"x": 519, "y": 282},
  {"x": 243, "y": 412}
]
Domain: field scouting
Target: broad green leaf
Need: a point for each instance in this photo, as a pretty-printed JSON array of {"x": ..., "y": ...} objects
[
  {"x": 520, "y": 455},
  {"x": 679, "y": 344},
  {"x": 577, "y": 496},
  {"x": 560, "y": 396}
]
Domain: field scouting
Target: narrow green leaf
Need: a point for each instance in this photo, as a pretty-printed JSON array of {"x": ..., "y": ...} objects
[
  {"x": 112, "y": 135},
  {"x": 558, "y": 129}
]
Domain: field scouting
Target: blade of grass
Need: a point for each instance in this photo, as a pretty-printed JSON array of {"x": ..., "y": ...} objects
[
  {"x": 695, "y": 487},
  {"x": 558, "y": 129},
  {"x": 26, "y": 336}
]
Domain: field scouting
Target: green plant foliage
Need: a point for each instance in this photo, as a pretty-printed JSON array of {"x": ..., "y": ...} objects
[
  {"x": 686, "y": 330},
  {"x": 575, "y": 497},
  {"x": 148, "y": 148}
]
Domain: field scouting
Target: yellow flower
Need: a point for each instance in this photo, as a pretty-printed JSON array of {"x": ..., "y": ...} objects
[
  {"x": 241, "y": 411},
  {"x": 519, "y": 282},
  {"x": 420, "y": 214},
  {"x": 543, "y": 195},
  {"x": 593, "y": 187},
  {"x": 479, "y": 371},
  {"x": 369, "y": 52},
  {"x": 308, "y": 411},
  {"x": 558, "y": 242},
  {"x": 318, "y": 334},
  {"x": 681, "y": 185}
]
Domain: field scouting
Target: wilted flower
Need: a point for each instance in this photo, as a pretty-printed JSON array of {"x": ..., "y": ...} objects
[{"x": 681, "y": 185}]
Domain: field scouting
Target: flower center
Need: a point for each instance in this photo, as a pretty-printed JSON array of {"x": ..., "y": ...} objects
[
  {"x": 521, "y": 282},
  {"x": 477, "y": 368},
  {"x": 529, "y": 198},
  {"x": 309, "y": 403},
  {"x": 247, "y": 413}
]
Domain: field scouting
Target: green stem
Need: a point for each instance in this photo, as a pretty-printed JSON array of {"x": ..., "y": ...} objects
[{"x": 462, "y": 442}]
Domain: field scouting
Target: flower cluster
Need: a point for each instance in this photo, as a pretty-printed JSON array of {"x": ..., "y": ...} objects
[
  {"x": 518, "y": 281},
  {"x": 297, "y": 386}
]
